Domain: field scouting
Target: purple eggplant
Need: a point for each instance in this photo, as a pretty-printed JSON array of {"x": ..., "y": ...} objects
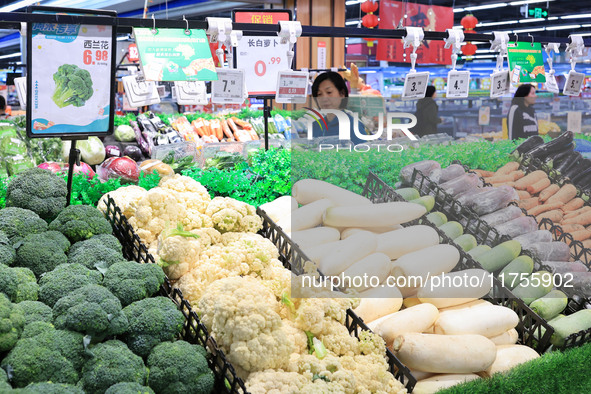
[{"x": 133, "y": 152}]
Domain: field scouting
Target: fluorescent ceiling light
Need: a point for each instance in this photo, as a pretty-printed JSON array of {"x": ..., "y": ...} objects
[
  {"x": 552, "y": 18},
  {"x": 123, "y": 38},
  {"x": 495, "y": 23},
  {"x": 17, "y": 5},
  {"x": 483, "y": 56},
  {"x": 353, "y": 2},
  {"x": 587, "y": 25},
  {"x": 368, "y": 72},
  {"x": 349, "y": 23},
  {"x": 528, "y": 2},
  {"x": 485, "y": 6},
  {"x": 563, "y": 27},
  {"x": 10, "y": 55},
  {"x": 483, "y": 51},
  {"x": 585, "y": 34},
  {"x": 458, "y": 27},
  {"x": 575, "y": 16},
  {"x": 529, "y": 30},
  {"x": 458, "y": 10},
  {"x": 531, "y": 20}
]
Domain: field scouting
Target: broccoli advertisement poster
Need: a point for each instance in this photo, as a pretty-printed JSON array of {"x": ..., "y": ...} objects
[
  {"x": 70, "y": 79},
  {"x": 175, "y": 55}
]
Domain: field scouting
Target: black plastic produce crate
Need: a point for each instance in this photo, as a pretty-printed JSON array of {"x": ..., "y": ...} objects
[
  {"x": 226, "y": 380},
  {"x": 533, "y": 330}
]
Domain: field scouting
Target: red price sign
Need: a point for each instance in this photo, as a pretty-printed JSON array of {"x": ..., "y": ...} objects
[
  {"x": 99, "y": 55},
  {"x": 133, "y": 55},
  {"x": 260, "y": 67}
]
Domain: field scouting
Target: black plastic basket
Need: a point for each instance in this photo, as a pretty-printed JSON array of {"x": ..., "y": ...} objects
[{"x": 226, "y": 380}]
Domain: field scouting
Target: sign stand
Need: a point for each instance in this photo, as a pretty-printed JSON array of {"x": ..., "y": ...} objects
[{"x": 74, "y": 159}]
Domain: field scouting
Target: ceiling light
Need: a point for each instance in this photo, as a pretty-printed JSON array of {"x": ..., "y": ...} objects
[
  {"x": 552, "y": 18},
  {"x": 563, "y": 27},
  {"x": 18, "y": 5},
  {"x": 576, "y": 16},
  {"x": 483, "y": 51},
  {"x": 587, "y": 25},
  {"x": 458, "y": 10},
  {"x": 495, "y": 23},
  {"x": 528, "y": 2},
  {"x": 458, "y": 27},
  {"x": 585, "y": 34},
  {"x": 485, "y": 6},
  {"x": 10, "y": 55},
  {"x": 483, "y": 56},
  {"x": 349, "y": 23},
  {"x": 123, "y": 38},
  {"x": 529, "y": 30},
  {"x": 353, "y": 2},
  {"x": 531, "y": 20}
]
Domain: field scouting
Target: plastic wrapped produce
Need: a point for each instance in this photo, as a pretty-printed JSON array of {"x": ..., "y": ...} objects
[
  {"x": 502, "y": 215},
  {"x": 493, "y": 200},
  {"x": 425, "y": 166},
  {"x": 521, "y": 225},
  {"x": 462, "y": 184},
  {"x": 550, "y": 251},
  {"x": 562, "y": 267},
  {"x": 534, "y": 237},
  {"x": 451, "y": 172}
]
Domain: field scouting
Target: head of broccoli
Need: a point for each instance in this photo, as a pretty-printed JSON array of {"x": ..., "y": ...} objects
[
  {"x": 40, "y": 254},
  {"x": 111, "y": 363},
  {"x": 152, "y": 321},
  {"x": 18, "y": 283},
  {"x": 51, "y": 236},
  {"x": 17, "y": 223},
  {"x": 64, "y": 279},
  {"x": 92, "y": 310},
  {"x": 4, "y": 385},
  {"x": 179, "y": 367},
  {"x": 36, "y": 311},
  {"x": 131, "y": 281},
  {"x": 80, "y": 222},
  {"x": 39, "y": 190},
  {"x": 51, "y": 388},
  {"x": 107, "y": 240},
  {"x": 12, "y": 321},
  {"x": 73, "y": 86},
  {"x": 129, "y": 388},
  {"x": 7, "y": 252},
  {"x": 94, "y": 255}
]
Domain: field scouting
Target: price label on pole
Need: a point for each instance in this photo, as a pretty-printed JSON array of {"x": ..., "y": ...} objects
[
  {"x": 229, "y": 88},
  {"x": 574, "y": 83},
  {"x": 292, "y": 87},
  {"x": 415, "y": 85},
  {"x": 551, "y": 84},
  {"x": 458, "y": 84},
  {"x": 499, "y": 83},
  {"x": 191, "y": 92}
]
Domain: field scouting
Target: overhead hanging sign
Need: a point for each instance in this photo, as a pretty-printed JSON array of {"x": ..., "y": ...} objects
[
  {"x": 229, "y": 88},
  {"x": 261, "y": 57},
  {"x": 574, "y": 83},
  {"x": 458, "y": 84},
  {"x": 70, "y": 77},
  {"x": 526, "y": 61},
  {"x": 415, "y": 85},
  {"x": 174, "y": 54}
]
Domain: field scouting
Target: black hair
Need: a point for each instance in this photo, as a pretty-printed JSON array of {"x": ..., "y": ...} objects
[
  {"x": 2, "y": 103},
  {"x": 520, "y": 93},
  {"x": 338, "y": 82},
  {"x": 430, "y": 91}
]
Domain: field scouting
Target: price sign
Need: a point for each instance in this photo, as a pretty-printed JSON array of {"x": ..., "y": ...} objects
[
  {"x": 458, "y": 84},
  {"x": 229, "y": 88},
  {"x": 415, "y": 85},
  {"x": 499, "y": 83},
  {"x": 292, "y": 87},
  {"x": 21, "y": 90},
  {"x": 140, "y": 92},
  {"x": 551, "y": 84},
  {"x": 573, "y": 84},
  {"x": 191, "y": 92}
]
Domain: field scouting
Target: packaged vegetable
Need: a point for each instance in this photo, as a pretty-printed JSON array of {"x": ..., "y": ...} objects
[
  {"x": 502, "y": 215},
  {"x": 493, "y": 200},
  {"x": 532, "y": 237},
  {"x": 149, "y": 166},
  {"x": 451, "y": 172},
  {"x": 112, "y": 151},
  {"x": 92, "y": 150},
  {"x": 124, "y": 133},
  {"x": 552, "y": 251},
  {"x": 519, "y": 226},
  {"x": 462, "y": 184},
  {"x": 18, "y": 163},
  {"x": 119, "y": 167},
  {"x": 425, "y": 166},
  {"x": 562, "y": 267},
  {"x": 13, "y": 146}
]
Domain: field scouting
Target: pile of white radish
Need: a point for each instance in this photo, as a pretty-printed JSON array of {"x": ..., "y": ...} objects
[{"x": 444, "y": 333}]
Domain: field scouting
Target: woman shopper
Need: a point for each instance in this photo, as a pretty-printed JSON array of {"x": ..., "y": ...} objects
[
  {"x": 521, "y": 120},
  {"x": 427, "y": 114}
]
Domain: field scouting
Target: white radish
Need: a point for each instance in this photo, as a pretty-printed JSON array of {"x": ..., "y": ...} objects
[
  {"x": 410, "y": 239},
  {"x": 308, "y": 216},
  {"x": 349, "y": 251},
  {"x": 378, "y": 302},
  {"x": 420, "y": 375},
  {"x": 489, "y": 321},
  {"x": 509, "y": 337},
  {"x": 418, "y": 318},
  {"x": 346, "y": 233},
  {"x": 411, "y": 301},
  {"x": 280, "y": 207},
  {"x": 317, "y": 252},
  {"x": 456, "y": 288},
  {"x": 315, "y": 236},
  {"x": 363, "y": 273},
  {"x": 509, "y": 356},
  {"x": 431, "y": 261},
  {"x": 445, "y": 353},
  {"x": 306, "y": 191},
  {"x": 376, "y": 230},
  {"x": 471, "y": 304},
  {"x": 383, "y": 214},
  {"x": 436, "y": 383}
]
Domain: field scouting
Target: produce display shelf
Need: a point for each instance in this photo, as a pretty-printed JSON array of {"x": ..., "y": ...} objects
[
  {"x": 226, "y": 379},
  {"x": 533, "y": 330},
  {"x": 486, "y": 234}
]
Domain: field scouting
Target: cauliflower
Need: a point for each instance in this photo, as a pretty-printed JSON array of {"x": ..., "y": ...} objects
[
  {"x": 371, "y": 374},
  {"x": 193, "y": 193},
  {"x": 275, "y": 382},
  {"x": 126, "y": 198},
  {"x": 228, "y": 215},
  {"x": 316, "y": 314}
]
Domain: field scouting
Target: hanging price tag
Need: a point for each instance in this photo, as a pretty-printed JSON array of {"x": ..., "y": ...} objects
[
  {"x": 292, "y": 87},
  {"x": 458, "y": 84},
  {"x": 415, "y": 85},
  {"x": 21, "y": 89},
  {"x": 551, "y": 84},
  {"x": 573, "y": 84},
  {"x": 229, "y": 88},
  {"x": 140, "y": 92},
  {"x": 499, "y": 83},
  {"x": 190, "y": 92}
]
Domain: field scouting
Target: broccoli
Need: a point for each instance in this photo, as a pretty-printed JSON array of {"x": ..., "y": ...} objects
[
  {"x": 179, "y": 367},
  {"x": 53, "y": 236},
  {"x": 111, "y": 363},
  {"x": 4, "y": 385},
  {"x": 73, "y": 86},
  {"x": 40, "y": 254},
  {"x": 51, "y": 355},
  {"x": 64, "y": 279},
  {"x": 12, "y": 321},
  {"x": 18, "y": 283},
  {"x": 95, "y": 255},
  {"x": 7, "y": 252},
  {"x": 35, "y": 328},
  {"x": 80, "y": 222},
  {"x": 131, "y": 281},
  {"x": 129, "y": 388},
  {"x": 152, "y": 321},
  {"x": 39, "y": 190},
  {"x": 36, "y": 311},
  {"x": 92, "y": 310},
  {"x": 50, "y": 388},
  {"x": 17, "y": 223},
  {"x": 107, "y": 240}
]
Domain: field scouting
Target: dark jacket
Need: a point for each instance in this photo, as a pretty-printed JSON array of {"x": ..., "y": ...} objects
[
  {"x": 427, "y": 114},
  {"x": 521, "y": 122}
]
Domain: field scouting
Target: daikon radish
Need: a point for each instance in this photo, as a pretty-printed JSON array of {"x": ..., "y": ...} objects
[
  {"x": 280, "y": 207},
  {"x": 445, "y": 353},
  {"x": 471, "y": 304},
  {"x": 317, "y": 252},
  {"x": 509, "y": 337},
  {"x": 306, "y": 217},
  {"x": 509, "y": 356},
  {"x": 373, "y": 324},
  {"x": 489, "y": 321},
  {"x": 306, "y": 191},
  {"x": 384, "y": 214},
  {"x": 378, "y": 302},
  {"x": 410, "y": 239},
  {"x": 346, "y": 233},
  {"x": 315, "y": 236},
  {"x": 439, "y": 382},
  {"x": 376, "y": 265},
  {"x": 430, "y": 261},
  {"x": 411, "y": 301},
  {"x": 347, "y": 252},
  {"x": 456, "y": 288},
  {"x": 376, "y": 230},
  {"x": 420, "y": 375},
  {"x": 418, "y": 318}
]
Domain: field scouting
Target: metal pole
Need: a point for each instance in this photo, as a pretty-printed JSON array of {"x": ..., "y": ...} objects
[
  {"x": 74, "y": 159},
  {"x": 266, "y": 116}
]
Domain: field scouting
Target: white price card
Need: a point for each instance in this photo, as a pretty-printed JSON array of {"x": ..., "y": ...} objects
[
  {"x": 574, "y": 83},
  {"x": 292, "y": 87},
  {"x": 21, "y": 89},
  {"x": 458, "y": 84},
  {"x": 229, "y": 88},
  {"x": 415, "y": 85},
  {"x": 191, "y": 92},
  {"x": 140, "y": 92},
  {"x": 574, "y": 120},
  {"x": 499, "y": 83},
  {"x": 551, "y": 84}
]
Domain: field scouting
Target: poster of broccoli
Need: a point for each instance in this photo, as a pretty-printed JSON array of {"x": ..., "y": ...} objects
[{"x": 71, "y": 79}]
